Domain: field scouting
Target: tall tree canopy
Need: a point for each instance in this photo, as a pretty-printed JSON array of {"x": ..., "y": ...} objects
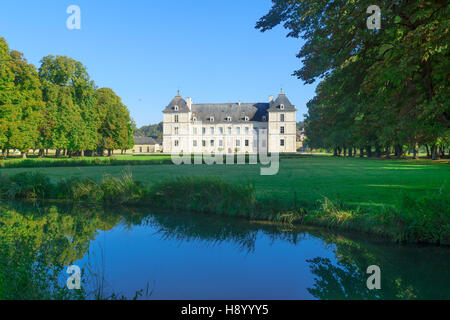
[
  {"x": 58, "y": 107},
  {"x": 385, "y": 87}
]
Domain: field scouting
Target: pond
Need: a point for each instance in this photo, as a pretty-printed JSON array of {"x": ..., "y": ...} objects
[{"x": 194, "y": 256}]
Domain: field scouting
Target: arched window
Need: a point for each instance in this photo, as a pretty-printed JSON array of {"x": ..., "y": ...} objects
[
  {"x": 282, "y": 106},
  {"x": 194, "y": 119},
  {"x": 229, "y": 119},
  {"x": 264, "y": 118},
  {"x": 246, "y": 118},
  {"x": 211, "y": 119},
  {"x": 175, "y": 108}
]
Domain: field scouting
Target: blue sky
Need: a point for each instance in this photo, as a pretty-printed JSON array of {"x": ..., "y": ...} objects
[{"x": 147, "y": 50}]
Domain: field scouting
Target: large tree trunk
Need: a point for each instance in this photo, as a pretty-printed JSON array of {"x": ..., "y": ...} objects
[
  {"x": 369, "y": 151},
  {"x": 428, "y": 150},
  {"x": 335, "y": 153},
  {"x": 377, "y": 151},
  {"x": 24, "y": 155},
  {"x": 109, "y": 152},
  {"x": 82, "y": 153},
  {"x": 361, "y": 152},
  {"x": 435, "y": 154},
  {"x": 415, "y": 151},
  {"x": 388, "y": 152},
  {"x": 41, "y": 153}
]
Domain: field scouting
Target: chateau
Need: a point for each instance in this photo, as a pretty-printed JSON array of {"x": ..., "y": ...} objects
[{"x": 229, "y": 127}]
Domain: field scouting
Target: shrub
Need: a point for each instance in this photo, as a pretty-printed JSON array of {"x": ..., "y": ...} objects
[{"x": 28, "y": 185}]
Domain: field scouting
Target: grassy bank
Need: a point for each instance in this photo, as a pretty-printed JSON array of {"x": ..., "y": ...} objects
[
  {"x": 366, "y": 183},
  {"x": 416, "y": 219}
]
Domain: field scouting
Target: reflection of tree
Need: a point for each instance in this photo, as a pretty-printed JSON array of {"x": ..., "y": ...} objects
[
  {"x": 407, "y": 272},
  {"x": 36, "y": 243},
  {"x": 338, "y": 281}
]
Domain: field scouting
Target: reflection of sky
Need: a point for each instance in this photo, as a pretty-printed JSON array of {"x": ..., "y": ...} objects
[{"x": 198, "y": 270}]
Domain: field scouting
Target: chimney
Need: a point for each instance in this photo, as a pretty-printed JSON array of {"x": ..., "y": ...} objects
[
  {"x": 239, "y": 102},
  {"x": 189, "y": 103},
  {"x": 270, "y": 98}
]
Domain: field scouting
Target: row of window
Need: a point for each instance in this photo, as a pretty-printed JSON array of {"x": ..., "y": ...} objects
[
  {"x": 238, "y": 130},
  {"x": 211, "y": 119},
  {"x": 212, "y": 142}
]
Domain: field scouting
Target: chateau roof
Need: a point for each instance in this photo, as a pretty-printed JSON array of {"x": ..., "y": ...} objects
[
  {"x": 221, "y": 111},
  {"x": 255, "y": 111},
  {"x": 282, "y": 100}
]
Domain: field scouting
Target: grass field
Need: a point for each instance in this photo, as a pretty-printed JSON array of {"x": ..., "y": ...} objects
[{"x": 370, "y": 184}]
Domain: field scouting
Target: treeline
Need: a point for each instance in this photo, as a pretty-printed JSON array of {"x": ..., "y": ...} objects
[
  {"x": 152, "y": 130},
  {"x": 383, "y": 91},
  {"x": 58, "y": 107}
]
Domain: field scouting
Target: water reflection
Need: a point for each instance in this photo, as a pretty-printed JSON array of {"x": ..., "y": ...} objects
[{"x": 204, "y": 256}]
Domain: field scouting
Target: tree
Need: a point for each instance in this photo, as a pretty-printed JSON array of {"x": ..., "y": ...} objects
[
  {"x": 20, "y": 101},
  {"x": 386, "y": 87},
  {"x": 71, "y": 104},
  {"x": 116, "y": 127}
]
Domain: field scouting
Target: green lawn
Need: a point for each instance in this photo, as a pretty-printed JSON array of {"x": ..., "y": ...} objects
[{"x": 368, "y": 183}]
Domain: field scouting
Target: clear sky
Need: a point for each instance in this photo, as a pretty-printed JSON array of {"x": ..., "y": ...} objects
[{"x": 147, "y": 50}]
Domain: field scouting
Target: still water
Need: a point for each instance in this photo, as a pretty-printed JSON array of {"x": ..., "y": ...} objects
[{"x": 195, "y": 256}]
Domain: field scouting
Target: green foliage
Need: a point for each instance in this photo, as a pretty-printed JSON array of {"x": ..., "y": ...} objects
[
  {"x": 380, "y": 88},
  {"x": 155, "y": 130},
  {"x": 204, "y": 195},
  {"x": 26, "y": 185},
  {"x": 58, "y": 107}
]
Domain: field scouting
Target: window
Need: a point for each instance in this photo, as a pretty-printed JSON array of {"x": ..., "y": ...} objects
[
  {"x": 238, "y": 143},
  {"x": 282, "y": 117},
  {"x": 282, "y": 130},
  {"x": 229, "y": 130},
  {"x": 212, "y": 130},
  {"x": 140, "y": 149},
  {"x": 211, "y": 143},
  {"x": 211, "y": 119},
  {"x": 246, "y": 119},
  {"x": 148, "y": 149},
  {"x": 246, "y": 143},
  {"x": 204, "y": 143},
  {"x": 175, "y": 108},
  {"x": 282, "y": 142},
  {"x": 175, "y": 118},
  {"x": 229, "y": 119},
  {"x": 203, "y": 130},
  {"x": 221, "y": 130},
  {"x": 220, "y": 143},
  {"x": 247, "y": 130},
  {"x": 194, "y": 143},
  {"x": 176, "y": 143},
  {"x": 194, "y": 119},
  {"x": 195, "y": 130},
  {"x": 264, "y": 118},
  {"x": 282, "y": 106},
  {"x": 238, "y": 130},
  {"x": 176, "y": 130}
]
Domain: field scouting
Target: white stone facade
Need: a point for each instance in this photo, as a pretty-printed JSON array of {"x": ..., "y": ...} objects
[{"x": 229, "y": 128}]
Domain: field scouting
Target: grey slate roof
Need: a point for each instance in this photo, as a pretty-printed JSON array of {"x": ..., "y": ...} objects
[
  {"x": 145, "y": 140},
  {"x": 220, "y": 111},
  {"x": 275, "y": 106},
  {"x": 237, "y": 111},
  {"x": 177, "y": 101}
]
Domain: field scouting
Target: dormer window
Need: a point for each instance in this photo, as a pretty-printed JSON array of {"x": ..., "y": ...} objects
[
  {"x": 246, "y": 119},
  {"x": 282, "y": 106},
  {"x": 175, "y": 108},
  {"x": 229, "y": 119},
  {"x": 211, "y": 119},
  {"x": 194, "y": 119},
  {"x": 264, "y": 118}
]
